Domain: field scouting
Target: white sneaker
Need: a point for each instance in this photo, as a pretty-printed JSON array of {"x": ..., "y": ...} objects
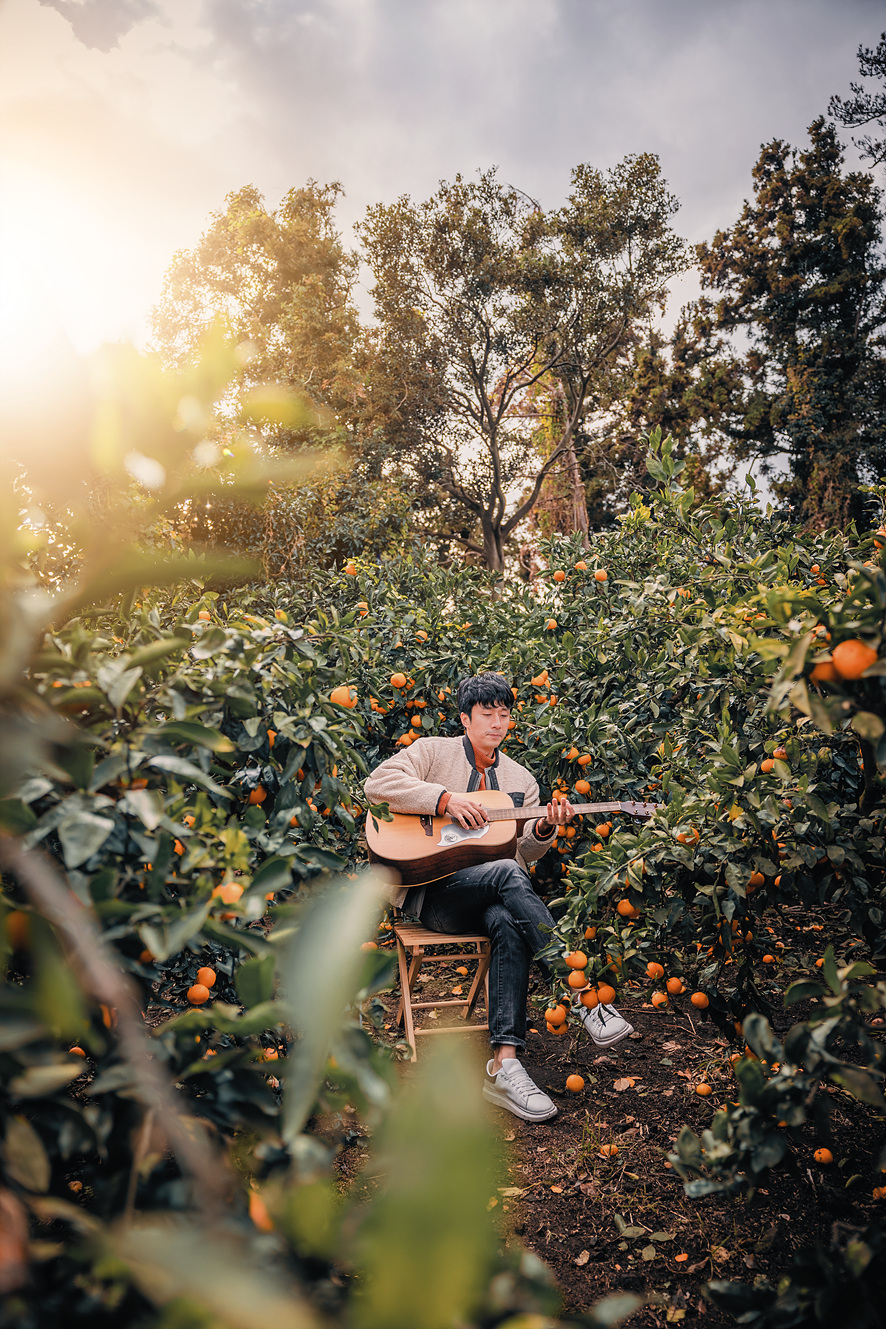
[
  {"x": 512, "y": 1089},
  {"x": 604, "y": 1024}
]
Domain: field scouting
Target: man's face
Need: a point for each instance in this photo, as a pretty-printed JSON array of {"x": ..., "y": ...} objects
[{"x": 486, "y": 726}]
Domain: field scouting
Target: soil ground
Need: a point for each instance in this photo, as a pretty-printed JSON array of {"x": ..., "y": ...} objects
[{"x": 618, "y": 1224}]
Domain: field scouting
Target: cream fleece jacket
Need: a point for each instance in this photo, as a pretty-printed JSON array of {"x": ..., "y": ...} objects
[{"x": 414, "y": 779}]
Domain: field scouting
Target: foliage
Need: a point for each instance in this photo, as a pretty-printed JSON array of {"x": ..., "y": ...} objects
[
  {"x": 178, "y": 788},
  {"x": 278, "y": 284},
  {"x": 800, "y": 276},
  {"x": 864, "y": 107},
  {"x": 488, "y": 295}
]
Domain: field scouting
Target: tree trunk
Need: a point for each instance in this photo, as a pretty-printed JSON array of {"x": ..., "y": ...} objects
[
  {"x": 493, "y": 545},
  {"x": 577, "y": 490}
]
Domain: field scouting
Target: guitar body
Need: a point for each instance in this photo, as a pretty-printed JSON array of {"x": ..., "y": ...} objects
[{"x": 421, "y": 849}]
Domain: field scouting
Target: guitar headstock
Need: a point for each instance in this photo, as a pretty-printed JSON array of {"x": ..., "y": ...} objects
[{"x": 644, "y": 810}]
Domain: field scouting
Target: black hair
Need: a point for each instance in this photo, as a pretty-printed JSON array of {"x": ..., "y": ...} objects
[{"x": 483, "y": 690}]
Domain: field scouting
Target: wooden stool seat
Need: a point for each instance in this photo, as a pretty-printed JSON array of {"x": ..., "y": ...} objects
[{"x": 417, "y": 946}]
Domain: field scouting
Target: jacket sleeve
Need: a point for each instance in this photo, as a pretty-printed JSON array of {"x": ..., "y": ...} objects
[
  {"x": 530, "y": 846},
  {"x": 402, "y": 782}
]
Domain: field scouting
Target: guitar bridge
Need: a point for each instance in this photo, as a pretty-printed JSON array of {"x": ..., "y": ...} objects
[{"x": 427, "y": 824}]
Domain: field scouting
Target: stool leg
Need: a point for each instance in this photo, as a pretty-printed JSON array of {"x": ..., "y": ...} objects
[
  {"x": 481, "y": 976},
  {"x": 408, "y": 974}
]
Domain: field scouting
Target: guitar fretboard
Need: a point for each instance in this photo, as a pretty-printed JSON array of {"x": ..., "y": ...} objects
[{"x": 526, "y": 814}]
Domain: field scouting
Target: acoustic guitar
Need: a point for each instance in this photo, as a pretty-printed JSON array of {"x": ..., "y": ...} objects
[{"x": 421, "y": 848}]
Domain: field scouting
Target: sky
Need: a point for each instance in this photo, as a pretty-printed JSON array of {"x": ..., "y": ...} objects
[{"x": 125, "y": 123}]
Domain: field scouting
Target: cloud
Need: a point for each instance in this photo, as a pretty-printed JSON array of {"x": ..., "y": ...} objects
[
  {"x": 101, "y": 23},
  {"x": 159, "y": 108}
]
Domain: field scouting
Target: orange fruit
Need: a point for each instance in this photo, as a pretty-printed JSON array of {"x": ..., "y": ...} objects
[
  {"x": 590, "y": 933},
  {"x": 577, "y": 979},
  {"x": 198, "y": 994},
  {"x": 823, "y": 1156},
  {"x": 627, "y": 910},
  {"x": 605, "y": 994},
  {"x": 272, "y": 737},
  {"x": 369, "y": 946},
  {"x": 178, "y": 847},
  {"x": 674, "y": 986},
  {"x": 604, "y": 830},
  {"x": 203, "y": 615},
  {"x": 701, "y": 1000},
  {"x": 17, "y": 929},
  {"x": 589, "y": 999},
  {"x": 559, "y": 575},
  {"x": 576, "y": 960},
  {"x": 581, "y": 566},
  {"x": 756, "y": 879},
  {"x": 601, "y": 575},
  {"x": 344, "y": 696},
  {"x": 769, "y": 959},
  {"x": 608, "y": 1150},
  {"x": 824, "y": 673},
  {"x": 77, "y": 1051},
  {"x": 780, "y": 754},
  {"x": 258, "y": 794},
  {"x": 555, "y": 1015},
  {"x": 398, "y": 680},
  {"x": 654, "y": 969},
  {"x": 550, "y": 625},
  {"x": 703, "y": 1090},
  {"x": 188, "y": 820},
  {"x": 582, "y": 787},
  {"x": 416, "y": 722},
  {"x": 851, "y": 658},
  {"x": 258, "y": 1210},
  {"x": 145, "y": 957},
  {"x": 575, "y": 1084},
  {"x": 350, "y": 570},
  {"x": 229, "y": 892},
  {"x": 767, "y": 765},
  {"x": 658, "y": 1000},
  {"x": 206, "y": 976}
]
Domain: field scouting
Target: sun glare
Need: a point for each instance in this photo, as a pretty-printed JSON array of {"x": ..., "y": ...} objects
[{"x": 61, "y": 269}]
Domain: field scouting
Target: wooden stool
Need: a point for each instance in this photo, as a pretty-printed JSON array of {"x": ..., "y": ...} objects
[{"x": 413, "y": 941}]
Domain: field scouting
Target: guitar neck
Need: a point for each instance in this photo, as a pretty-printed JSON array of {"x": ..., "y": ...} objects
[{"x": 527, "y": 814}]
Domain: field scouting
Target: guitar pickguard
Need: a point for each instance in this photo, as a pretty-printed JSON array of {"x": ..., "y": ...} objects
[{"x": 453, "y": 834}]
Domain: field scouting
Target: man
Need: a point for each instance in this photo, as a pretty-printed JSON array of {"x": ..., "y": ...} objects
[{"x": 441, "y": 775}]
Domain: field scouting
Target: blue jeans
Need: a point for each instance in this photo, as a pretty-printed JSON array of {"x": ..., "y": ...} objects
[{"x": 497, "y": 899}]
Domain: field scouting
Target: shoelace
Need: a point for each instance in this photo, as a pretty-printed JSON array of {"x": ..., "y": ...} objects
[{"x": 519, "y": 1078}]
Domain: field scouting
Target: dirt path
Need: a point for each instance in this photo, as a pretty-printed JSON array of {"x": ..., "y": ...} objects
[{"x": 623, "y": 1223}]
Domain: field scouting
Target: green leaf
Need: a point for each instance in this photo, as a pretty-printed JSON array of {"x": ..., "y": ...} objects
[
  {"x": 40, "y": 1081},
  {"x": 193, "y": 773},
  {"x": 255, "y": 980},
  {"x": 25, "y": 1157},
  {"x": 868, "y": 726},
  {"x": 146, "y": 804},
  {"x": 156, "y": 650},
  {"x": 275, "y": 874},
  {"x": 187, "y": 731},
  {"x": 170, "y": 1259},
  {"x": 164, "y": 941},
  {"x": 861, "y": 1084},
  {"x": 82, "y": 835},
  {"x": 16, "y": 818},
  {"x": 436, "y": 1143},
  {"x": 315, "y": 992}
]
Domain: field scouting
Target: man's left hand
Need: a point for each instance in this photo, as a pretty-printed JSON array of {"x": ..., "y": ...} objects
[{"x": 557, "y": 813}]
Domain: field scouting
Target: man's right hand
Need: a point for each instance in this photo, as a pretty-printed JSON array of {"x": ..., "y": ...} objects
[{"x": 466, "y": 811}]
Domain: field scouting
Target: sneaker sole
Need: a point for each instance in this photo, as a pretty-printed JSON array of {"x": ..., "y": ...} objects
[
  {"x": 611, "y": 1042},
  {"x": 502, "y": 1101}
]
